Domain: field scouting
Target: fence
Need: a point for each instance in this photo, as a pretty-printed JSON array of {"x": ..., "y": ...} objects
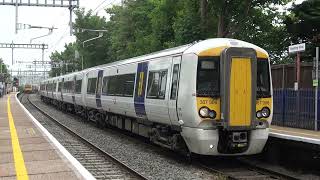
[{"x": 294, "y": 108}]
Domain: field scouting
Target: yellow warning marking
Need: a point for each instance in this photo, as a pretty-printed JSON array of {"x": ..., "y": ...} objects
[
  {"x": 31, "y": 131},
  {"x": 21, "y": 171}
]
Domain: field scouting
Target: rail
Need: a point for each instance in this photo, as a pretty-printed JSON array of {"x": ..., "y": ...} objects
[{"x": 85, "y": 141}]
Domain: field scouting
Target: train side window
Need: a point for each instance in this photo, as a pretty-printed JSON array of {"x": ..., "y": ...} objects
[
  {"x": 104, "y": 86},
  {"x": 91, "y": 88},
  {"x": 68, "y": 87},
  {"x": 120, "y": 85},
  {"x": 175, "y": 81},
  {"x": 112, "y": 86},
  {"x": 78, "y": 86},
  {"x": 157, "y": 84},
  {"x": 65, "y": 87},
  {"x": 59, "y": 86}
]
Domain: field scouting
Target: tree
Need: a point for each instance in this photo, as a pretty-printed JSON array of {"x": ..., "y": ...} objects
[
  {"x": 303, "y": 25},
  {"x": 3, "y": 66},
  {"x": 4, "y": 75},
  {"x": 94, "y": 52},
  {"x": 64, "y": 62},
  {"x": 140, "y": 27}
]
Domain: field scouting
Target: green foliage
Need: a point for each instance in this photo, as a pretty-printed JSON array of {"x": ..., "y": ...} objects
[
  {"x": 4, "y": 74},
  {"x": 143, "y": 26},
  {"x": 4, "y": 66},
  {"x": 65, "y": 61},
  {"x": 303, "y": 25}
]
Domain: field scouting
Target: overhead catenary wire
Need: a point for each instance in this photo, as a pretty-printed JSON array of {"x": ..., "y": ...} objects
[
  {"x": 111, "y": 3},
  {"x": 102, "y": 2}
]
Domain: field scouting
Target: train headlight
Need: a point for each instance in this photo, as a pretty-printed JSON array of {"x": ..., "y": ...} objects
[
  {"x": 204, "y": 112},
  {"x": 265, "y": 112},
  {"x": 259, "y": 114},
  {"x": 212, "y": 114}
]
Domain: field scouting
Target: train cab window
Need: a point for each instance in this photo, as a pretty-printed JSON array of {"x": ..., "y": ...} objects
[
  {"x": 175, "y": 81},
  {"x": 263, "y": 78},
  {"x": 78, "y": 86},
  {"x": 157, "y": 84},
  {"x": 92, "y": 84},
  {"x": 208, "y": 77}
]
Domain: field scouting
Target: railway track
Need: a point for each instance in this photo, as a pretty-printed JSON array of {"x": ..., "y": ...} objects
[
  {"x": 234, "y": 169},
  {"x": 240, "y": 170},
  {"x": 99, "y": 163}
]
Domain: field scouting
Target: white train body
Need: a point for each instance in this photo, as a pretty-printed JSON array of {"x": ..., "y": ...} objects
[{"x": 171, "y": 98}]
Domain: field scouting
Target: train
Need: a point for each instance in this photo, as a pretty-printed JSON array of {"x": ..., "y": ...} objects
[
  {"x": 211, "y": 97},
  {"x": 30, "y": 88},
  {"x": 27, "y": 88}
]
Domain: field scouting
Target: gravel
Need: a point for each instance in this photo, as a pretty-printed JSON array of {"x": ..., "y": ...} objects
[
  {"x": 100, "y": 166},
  {"x": 151, "y": 161}
]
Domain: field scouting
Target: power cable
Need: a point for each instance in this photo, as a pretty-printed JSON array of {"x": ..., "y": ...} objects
[
  {"x": 99, "y": 5},
  {"x": 111, "y": 3}
]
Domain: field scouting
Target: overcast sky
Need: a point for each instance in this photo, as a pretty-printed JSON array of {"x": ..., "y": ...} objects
[{"x": 42, "y": 16}]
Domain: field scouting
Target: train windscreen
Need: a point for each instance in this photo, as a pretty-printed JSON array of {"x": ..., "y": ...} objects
[
  {"x": 263, "y": 79},
  {"x": 208, "y": 77}
]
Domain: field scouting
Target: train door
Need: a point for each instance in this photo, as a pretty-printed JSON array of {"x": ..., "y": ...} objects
[
  {"x": 174, "y": 86},
  {"x": 74, "y": 79},
  {"x": 239, "y": 82},
  {"x": 98, "y": 89},
  {"x": 140, "y": 90}
]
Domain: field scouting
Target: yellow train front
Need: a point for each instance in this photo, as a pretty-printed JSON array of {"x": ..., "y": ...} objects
[
  {"x": 27, "y": 88},
  {"x": 232, "y": 101}
]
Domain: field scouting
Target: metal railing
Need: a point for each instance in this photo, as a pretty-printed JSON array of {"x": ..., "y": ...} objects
[{"x": 294, "y": 108}]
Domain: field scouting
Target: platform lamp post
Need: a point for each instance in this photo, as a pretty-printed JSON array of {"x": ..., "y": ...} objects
[
  {"x": 316, "y": 84},
  {"x": 80, "y": 30}
]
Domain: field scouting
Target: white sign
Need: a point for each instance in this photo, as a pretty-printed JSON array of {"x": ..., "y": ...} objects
[{"x": 297, "y": 48}]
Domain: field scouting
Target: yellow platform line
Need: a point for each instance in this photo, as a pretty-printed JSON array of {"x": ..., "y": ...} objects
[{"x": 21, "y": 170}]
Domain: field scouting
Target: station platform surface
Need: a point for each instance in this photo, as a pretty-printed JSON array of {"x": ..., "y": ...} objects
[
  {"x": 295, "y": 134},
  {"x": 28, "y": 151}
]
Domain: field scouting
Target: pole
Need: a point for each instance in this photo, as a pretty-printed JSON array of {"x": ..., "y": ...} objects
[
  {"x": 70, "y": 21},
  {"x": 0, "y": 67},
  {"x": 16, "y": 26},
  {"x": 44, "y": 73},
  {"x": 82, "y": 62},
  {"x": 298, "y": 70},
  {"x": 12, "y": 53},
  {"x": 282, "y": 77},
  {"x": 316, "y": 93}
]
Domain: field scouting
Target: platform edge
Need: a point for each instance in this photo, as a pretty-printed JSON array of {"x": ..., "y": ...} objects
[
  {"x": 74, "y": 162},
  {"x": 295, "y": 138}
]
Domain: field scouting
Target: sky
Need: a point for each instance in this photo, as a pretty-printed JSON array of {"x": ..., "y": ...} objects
[
  {"x": 40, "y": 16},
  {"x": 48, "y": 17}
]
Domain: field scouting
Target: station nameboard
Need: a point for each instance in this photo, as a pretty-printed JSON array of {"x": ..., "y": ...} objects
[{"x": 297, "y": 48}]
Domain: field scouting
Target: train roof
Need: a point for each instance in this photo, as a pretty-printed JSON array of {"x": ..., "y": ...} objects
[{"x": 209, "y": 47}]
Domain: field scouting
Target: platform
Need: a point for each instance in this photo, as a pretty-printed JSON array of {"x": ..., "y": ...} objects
[
  {"x": 28, "y": 151},
  {"x": 294, "y": 134}
]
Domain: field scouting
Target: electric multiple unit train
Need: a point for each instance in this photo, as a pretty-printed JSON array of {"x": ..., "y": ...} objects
[{"x": 212, "y": 97}]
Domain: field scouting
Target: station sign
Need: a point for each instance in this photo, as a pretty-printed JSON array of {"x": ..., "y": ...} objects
[
  {"x": 315, "y": 83},
  {"x": 297, "y": 48}
]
